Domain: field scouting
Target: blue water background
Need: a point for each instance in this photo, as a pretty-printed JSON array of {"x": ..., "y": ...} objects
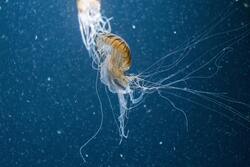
[{"x": 48, "y": 101}]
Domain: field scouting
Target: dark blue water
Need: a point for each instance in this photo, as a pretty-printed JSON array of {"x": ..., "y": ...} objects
[{"x": 48, "y": 102}]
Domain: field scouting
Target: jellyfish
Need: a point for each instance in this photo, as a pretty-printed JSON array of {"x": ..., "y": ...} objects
[
  {"x": 112, "y": 59},
  {"x": 110, "y": 53},
  {"x": 116, "y": 61},
  {"x": 91, "y": 23}
]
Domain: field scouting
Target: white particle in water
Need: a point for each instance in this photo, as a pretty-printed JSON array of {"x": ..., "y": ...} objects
[
  {"x": 245, "y": 5},
  {"x": 59, "y": 132}
]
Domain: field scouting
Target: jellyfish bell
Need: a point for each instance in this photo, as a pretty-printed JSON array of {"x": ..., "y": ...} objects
[
  {"x": 116, "y": 60},
  {"x": 89, "y": 6}
]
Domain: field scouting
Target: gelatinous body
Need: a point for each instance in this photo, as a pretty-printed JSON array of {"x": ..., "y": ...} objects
[{"x": 115, "y": 51}]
